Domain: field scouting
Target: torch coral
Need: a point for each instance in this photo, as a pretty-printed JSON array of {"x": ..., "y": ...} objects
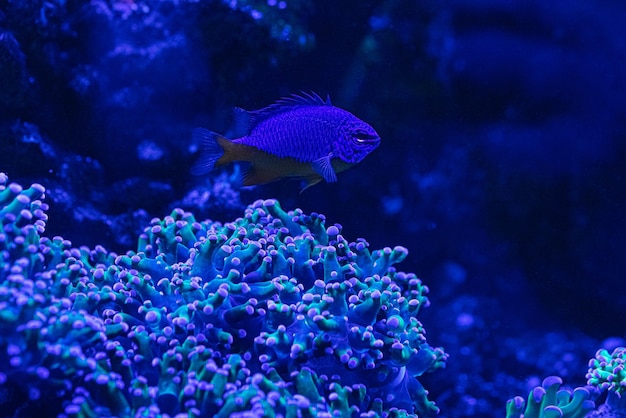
[
  {"x": 274, "y": 314},
  {"x": 548, "y": 400},
  {"x": 606, "y": 373}
]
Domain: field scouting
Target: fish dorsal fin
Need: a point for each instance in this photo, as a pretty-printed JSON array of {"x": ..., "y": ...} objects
[
  {"x": 243, "y": 122},
  {"x": 246, "y": 120},
  {"x": 303, "y": 99}
]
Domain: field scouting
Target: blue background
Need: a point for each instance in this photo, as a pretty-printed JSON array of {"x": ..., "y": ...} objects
[{"x": 501, "y": 168}]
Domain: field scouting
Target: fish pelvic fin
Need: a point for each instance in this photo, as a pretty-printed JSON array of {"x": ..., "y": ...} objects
[
  {"x": 310, "y": 181},
  {"x": 212, "y": 151}
]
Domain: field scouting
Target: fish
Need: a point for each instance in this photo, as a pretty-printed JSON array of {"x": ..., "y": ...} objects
[{"x": 300, "y": 136}]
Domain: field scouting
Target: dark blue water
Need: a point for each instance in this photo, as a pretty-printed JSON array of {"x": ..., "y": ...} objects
[{"x": 501, "y": 169}]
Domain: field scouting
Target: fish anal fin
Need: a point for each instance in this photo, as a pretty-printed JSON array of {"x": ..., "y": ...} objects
[
  {"x": 255, "y": 176},
  {"x": 324, "y": 167}
]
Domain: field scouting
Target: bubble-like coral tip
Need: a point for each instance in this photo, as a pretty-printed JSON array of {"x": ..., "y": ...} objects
[
  {"x": 269, "y": 202},
  {"x": 551, "y": 381},
  {"x": 332, "y": 230}
]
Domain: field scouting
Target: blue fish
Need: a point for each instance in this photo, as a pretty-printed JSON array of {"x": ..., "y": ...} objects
[{"x": 300, "y": 136}]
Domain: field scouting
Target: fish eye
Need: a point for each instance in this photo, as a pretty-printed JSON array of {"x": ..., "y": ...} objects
[{"x": 362, "y": 137}]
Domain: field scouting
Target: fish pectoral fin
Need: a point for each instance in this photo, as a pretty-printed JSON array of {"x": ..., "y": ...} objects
[{"x": 324, "y": 167}]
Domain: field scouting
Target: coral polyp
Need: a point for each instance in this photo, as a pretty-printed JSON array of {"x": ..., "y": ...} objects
[{"x": 273, "y": 314}]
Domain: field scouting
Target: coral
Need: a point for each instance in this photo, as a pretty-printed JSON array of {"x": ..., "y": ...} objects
[
  {"x": 274, "y": 314},
  {"x": 549, "y": 400},
  {"x": 606, "y": 372},
  {"x": 216, "y": 196},
  {"x": 605, "y": 376}
]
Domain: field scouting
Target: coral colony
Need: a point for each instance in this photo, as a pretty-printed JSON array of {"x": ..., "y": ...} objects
[
  {"x": 549, "y": 400},
  {"x": 274, "y": 314},
  {"x": 605, "y": 377}
]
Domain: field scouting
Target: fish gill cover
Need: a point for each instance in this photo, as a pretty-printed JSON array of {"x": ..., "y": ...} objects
[{"x": 273, "y": 314}]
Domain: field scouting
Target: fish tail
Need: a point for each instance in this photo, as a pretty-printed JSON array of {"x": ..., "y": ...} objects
[{"x": 211, "y": 151}]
